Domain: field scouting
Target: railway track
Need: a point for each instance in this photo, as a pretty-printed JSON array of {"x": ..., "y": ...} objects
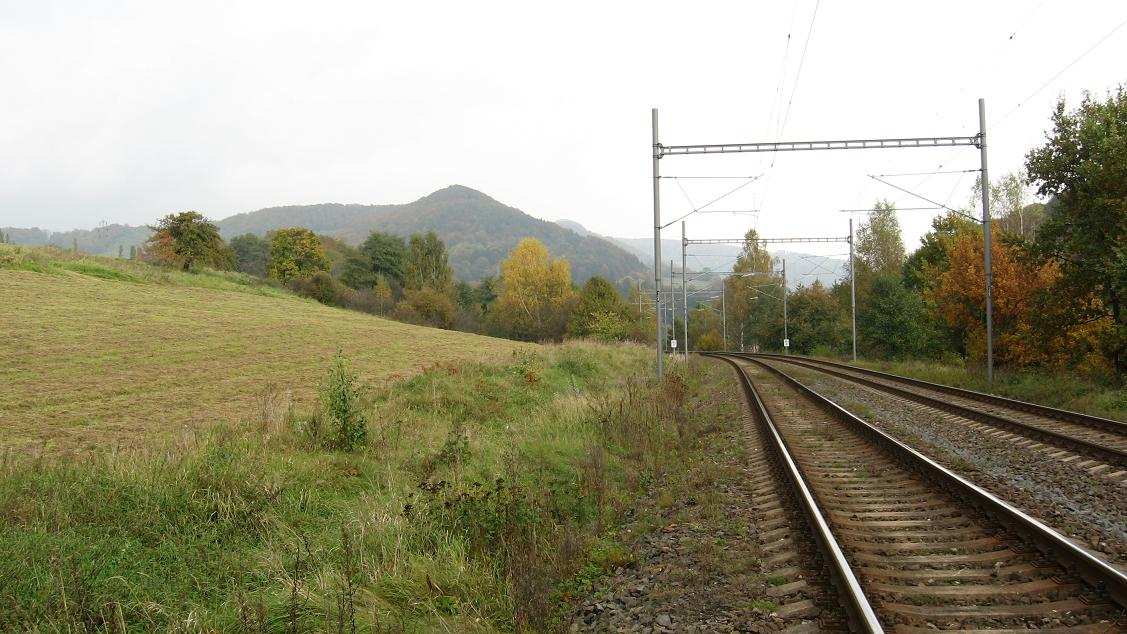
[
  {"x": 911, "y": 545},
  {"x": 1102, "y": 441}
]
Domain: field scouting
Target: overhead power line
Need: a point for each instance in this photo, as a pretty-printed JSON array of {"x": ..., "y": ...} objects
[
  {"x": 929, "y": 173},
  {"x": 720, "y": 177},
  {"x": 861, "y": 211},
  {"x": 1062, "y": 71},
  {"x": 924, "y": 198},
  {"x": 801, "y": 63}
]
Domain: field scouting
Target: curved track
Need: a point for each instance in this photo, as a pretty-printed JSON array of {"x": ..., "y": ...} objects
[
  {"x": 1098, "y": 439},
  {"x": 927, "y": 548}
]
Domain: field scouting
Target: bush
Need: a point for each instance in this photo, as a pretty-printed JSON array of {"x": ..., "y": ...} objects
[
  {"x": 427, "y": 306},
  {"x": 320, "y": 286},
  {"x": 342, "y": 423}
]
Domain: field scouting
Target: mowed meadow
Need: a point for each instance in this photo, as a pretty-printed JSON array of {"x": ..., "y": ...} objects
[{"x": 100, "y": 352}]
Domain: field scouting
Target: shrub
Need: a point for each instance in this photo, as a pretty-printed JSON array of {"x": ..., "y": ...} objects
[
  {"x": 343, "y": 425},
  {"x": 320, "y": 286}
]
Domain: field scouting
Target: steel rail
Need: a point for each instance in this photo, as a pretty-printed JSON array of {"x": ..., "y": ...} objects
[
  {"x": 1106, "y": 424},
  {"x": 861, "y": 615},
  {"x": 1095, "y": 571},
  {"x": 1110, "y": 455}
]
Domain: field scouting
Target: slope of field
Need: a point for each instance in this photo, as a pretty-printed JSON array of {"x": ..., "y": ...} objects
[{"x": 101, "y": 353}]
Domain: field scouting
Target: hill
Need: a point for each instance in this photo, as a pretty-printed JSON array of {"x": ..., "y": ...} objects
[
  {"x": 103, "y": 351},
  {"x": 478, "y": 231},
  {"x": 102, "y": 240}
]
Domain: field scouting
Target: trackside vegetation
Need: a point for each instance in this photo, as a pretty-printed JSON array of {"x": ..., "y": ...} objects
[
  {"x": 1059, "y": 389},
  {"x": 478, "y": 497}
]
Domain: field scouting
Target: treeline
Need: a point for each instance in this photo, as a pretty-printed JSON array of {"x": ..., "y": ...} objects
[
  {"x": 411, "y": 280},
  {"x": 1059, "y": 269}
]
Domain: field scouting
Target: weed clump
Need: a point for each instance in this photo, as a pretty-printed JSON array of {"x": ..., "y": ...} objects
[{"x": 342, "y": 423}]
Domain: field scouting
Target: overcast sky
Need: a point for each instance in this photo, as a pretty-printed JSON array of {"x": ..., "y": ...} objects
[{"x": 124, "y": 111}]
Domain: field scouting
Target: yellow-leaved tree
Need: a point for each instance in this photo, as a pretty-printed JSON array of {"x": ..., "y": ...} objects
[{"x": 536, "y": 297}]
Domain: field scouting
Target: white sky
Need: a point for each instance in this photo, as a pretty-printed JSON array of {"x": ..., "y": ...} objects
[{"x": 123, "y": 111}]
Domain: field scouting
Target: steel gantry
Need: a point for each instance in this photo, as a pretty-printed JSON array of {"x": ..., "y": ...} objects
[
  {"x": 685, "y": 242},
  {"x": 979, "y": 141}
]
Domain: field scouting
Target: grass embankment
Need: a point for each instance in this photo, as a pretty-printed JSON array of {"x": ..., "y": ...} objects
[
  {"x": 1060, "y": 389},
  {"x": 482, "y": 498},
  {"x": 103, "y": 352}
]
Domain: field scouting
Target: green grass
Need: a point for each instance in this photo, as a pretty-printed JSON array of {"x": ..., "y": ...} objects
[
  {"x": 439, "y": 522},
  {"x": 101, "y": 352},
  {"x": 1055, "y": 389}
]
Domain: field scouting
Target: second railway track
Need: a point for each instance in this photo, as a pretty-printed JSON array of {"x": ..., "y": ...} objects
[
  {"x": 1098, "y": 439},
  {"x": 930, "y": 550}
]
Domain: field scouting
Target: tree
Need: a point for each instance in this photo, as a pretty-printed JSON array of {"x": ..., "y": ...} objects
[
  {"x": 893, "y": 322},
  {"x": 536, "y": 295},
  {"x": 381, "y": 254},
  {"x": 705, "y": 326},
  {"x": 251, "y": 254},
  {"x": 923, "y": 267},
  {"x": 427, "y": 264},
  {"x": 1034, "y": 324},
  {"x": 880, "y": 248},
  {"x": 295, "y": 252},
  {"x": 923, "y": 270},
  {"x": 817, "y": 322},
  {"x": 1082, "y": 169},
  {"x": 754, "y": 297},
  {"x": 186, "y": 239},
  {"x": 599, "y": 312}
]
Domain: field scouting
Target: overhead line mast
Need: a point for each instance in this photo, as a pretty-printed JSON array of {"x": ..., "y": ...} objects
[{"x": 978, "y": 141}]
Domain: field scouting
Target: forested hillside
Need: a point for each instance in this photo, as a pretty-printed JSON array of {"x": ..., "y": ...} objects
[{"x": 478, "y": 231}]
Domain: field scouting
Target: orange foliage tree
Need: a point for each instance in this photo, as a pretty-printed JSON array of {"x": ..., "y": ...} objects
[{"x": 1031, "y": 326}]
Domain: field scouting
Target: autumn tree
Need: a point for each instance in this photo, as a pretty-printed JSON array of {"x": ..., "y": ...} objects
[
  {"x": 186, "y": 239},
  {"x": 295, "y": 252},
  {"x": 428, "y": 306},
  {"x": 1082, "y": 169},
  {"x": 1028, "y": 312},
  {"x": 535, "y": 297}
]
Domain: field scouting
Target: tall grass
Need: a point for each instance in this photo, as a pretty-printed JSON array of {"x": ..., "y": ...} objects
[{"x": 478, "y": 497}]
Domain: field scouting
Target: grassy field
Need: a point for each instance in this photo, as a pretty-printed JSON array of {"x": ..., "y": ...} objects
[
  {"x": 193, "y": 482},
  {"x": 1061, "y": 390},
  {"x": 104, "y": 353},
  {"x": 484, "y": 497}
]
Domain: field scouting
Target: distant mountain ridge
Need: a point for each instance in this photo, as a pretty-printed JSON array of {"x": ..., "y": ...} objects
[
  {"x": 478, "y": 231},
  {"x": 802, "y": 268}
]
